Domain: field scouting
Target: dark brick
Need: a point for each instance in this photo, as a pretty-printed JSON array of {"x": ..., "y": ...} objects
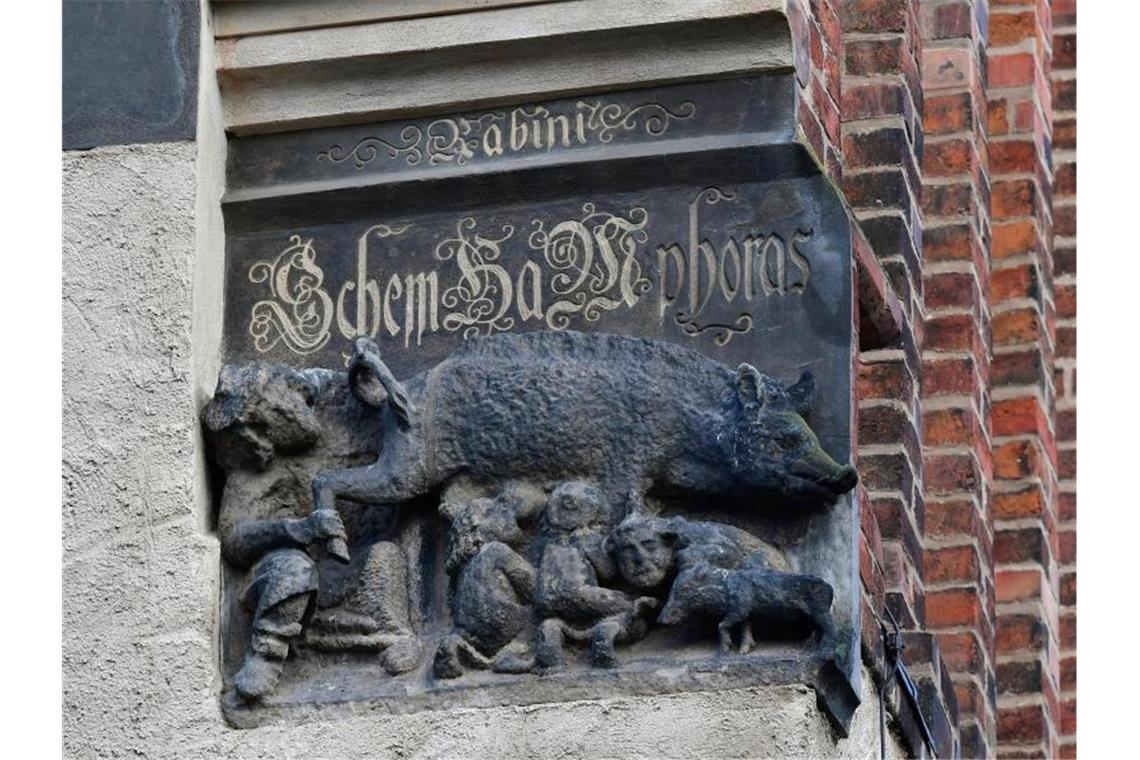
[
  {"x": 951, "y": 289},
  {"x": 1023, "y": 545},
  {"x": 1019, "y": 677},
  {"x": 948, "y": 21},
  {"x": 1065, "y": 51},
  {"x": 1065, "y": 134},
  {"x": 953, "y": 199},
  {"x": 1065, "y": 221},
  {"x": 876, "y": 189},
  {"x": 865, "y": 101},
  {"x": 879, "y": 147},
  {"x": 872, "y": 57},
  {"x": 1065, "y": 180},
  {"x": 1020, "y": 633},
  {"x": 1022, "y": 725},
  {"x": 1064, "y": 95},
  {"x": 873, "y": 15},
  {"x": 886, "y": 472},
  {"x": 1018, "y": 368}
]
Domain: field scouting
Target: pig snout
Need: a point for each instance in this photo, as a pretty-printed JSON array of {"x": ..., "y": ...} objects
[{"x": 817, "y": 467}]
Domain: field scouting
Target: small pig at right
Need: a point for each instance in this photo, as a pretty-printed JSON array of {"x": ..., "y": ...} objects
[{"x": 746, "y": 595}]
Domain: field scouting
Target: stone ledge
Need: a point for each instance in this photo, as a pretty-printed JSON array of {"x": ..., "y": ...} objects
[{"x": 407, "y": 67}]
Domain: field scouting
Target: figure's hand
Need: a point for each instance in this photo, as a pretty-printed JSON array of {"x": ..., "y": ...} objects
[
  {"x": 321, "y": 525},
  {"x": 644, "y": 606},
  {"x": 326, "y": 523},
  {"x": 327, "y": 526}
]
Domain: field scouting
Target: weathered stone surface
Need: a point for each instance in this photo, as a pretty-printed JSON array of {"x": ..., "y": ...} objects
[
  {"x": 493, "y": 448},
  {"x": 537, "y": 444}
]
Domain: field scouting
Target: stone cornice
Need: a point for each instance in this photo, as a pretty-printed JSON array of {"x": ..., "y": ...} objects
[{"x": 399, "y": 68}]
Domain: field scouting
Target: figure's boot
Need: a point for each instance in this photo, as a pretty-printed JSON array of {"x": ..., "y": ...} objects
[
  {"x": 262, "y": 666},
  {"x": 602, "y": 652},
  {"x": 548, "y": 651},
  {"x": 517, "y": 656},
  {"x": 447, "y": 663},
  {"x": 264, "y": 660}
]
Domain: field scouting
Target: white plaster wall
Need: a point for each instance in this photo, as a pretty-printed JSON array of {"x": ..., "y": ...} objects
[{"x": 139, "y": 574}]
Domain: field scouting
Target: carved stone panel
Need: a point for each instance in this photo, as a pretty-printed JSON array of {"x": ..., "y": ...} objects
[{"x": 535, "y": 403}]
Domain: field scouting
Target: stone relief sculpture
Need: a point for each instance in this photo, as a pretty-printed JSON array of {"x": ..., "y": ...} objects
[
  {"x": 506, "y": 510},
  {"x": 269, "y": 439},
  {"x": 493, "y": 590}
]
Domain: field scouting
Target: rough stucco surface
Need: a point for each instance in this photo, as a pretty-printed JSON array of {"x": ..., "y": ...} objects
[{"x": 141, "y": 576}]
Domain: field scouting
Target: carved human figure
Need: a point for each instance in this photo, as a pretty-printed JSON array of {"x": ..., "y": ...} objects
[
  {"x": 572, "y": 602},
  {"x": 650, "y": 550},
  {"x": 267, "y": 438},
  {"x": 719, "y": 572},
  {"x": 493, "y": 595}
]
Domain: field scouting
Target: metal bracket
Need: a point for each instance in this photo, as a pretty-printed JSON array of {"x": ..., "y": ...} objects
[{"x": 893, "y": 647}]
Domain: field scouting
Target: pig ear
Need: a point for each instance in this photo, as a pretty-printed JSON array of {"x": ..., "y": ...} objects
[
  {"x": 749, "y": 388},
  {"x": 801, "y": 392}
]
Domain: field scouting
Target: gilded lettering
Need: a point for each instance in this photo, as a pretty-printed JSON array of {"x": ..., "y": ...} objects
[
  {"x": 392, "y": 293},
  {"x": 799, "y": 258},
  {"x": 672, "y": 254},
  {"x": 457, "y": 139},
  {"x": 519, "y": 130},
  {"x": 729, "y": 254},
  {"x": 529, "y": 286},
  {"x": 481, "y": 298},
  {"x": 421, "y": 305},
  {"x": 493, "y": 141},
  {"x": 563, "y": 124},
  {"x": 298, "y": 311},
  {"x": 588, "y": 265}
]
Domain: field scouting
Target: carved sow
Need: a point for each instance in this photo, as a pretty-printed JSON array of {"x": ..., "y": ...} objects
[{"x": 627, "y": 413}]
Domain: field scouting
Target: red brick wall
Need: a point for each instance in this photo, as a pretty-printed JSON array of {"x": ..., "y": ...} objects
[
  {"x": 950, "y": 127},
  {"x": 1065, "y": 359},
  {"x": 955, "y": 375},
  {"x": 1022, "y": 304}
]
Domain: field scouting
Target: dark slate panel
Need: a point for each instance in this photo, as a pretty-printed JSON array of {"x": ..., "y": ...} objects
[
  {"x": 660, "y": 120},
  {"x": 130, "y": 71}
]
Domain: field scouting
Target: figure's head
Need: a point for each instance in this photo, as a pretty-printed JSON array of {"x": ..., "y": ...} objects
[
  {"x": 644, "y": 549},
  {"x": 575, "y": 505},
  {"x": 478, "y": 522},
  {"x": 260, "y": 410},
  {"x": 773, "y": 448}
]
